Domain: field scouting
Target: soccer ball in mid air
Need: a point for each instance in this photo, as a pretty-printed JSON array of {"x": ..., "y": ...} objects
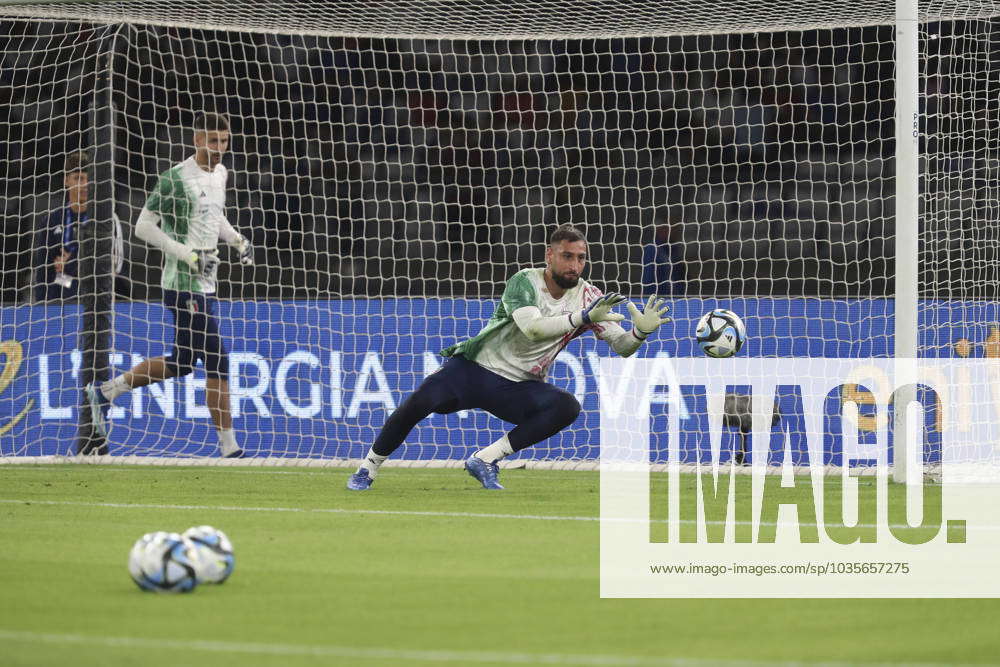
[
  {"x": 215, "y": 553},
  {"x": 164, "y": 562},
  {"x": 720, "y": 333}
]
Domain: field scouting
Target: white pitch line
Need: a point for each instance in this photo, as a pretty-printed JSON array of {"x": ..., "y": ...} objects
[
  {"x": 326, "y": 472},
  {"x": 185, "y": 469},
  {"x": 325, "y": 510},
  {"x": 410, "y": 655},
  {"x": 427, "y": 513}
]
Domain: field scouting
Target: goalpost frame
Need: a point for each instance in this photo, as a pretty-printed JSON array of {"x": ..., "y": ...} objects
[
  {"x": 97, "y": 294},
  {"x": 907, "y": 214},
  {"x": 907, "y": 193}
]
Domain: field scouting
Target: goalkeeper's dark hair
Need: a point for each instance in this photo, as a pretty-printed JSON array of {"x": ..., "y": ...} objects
[
  {"x": 207, "y": 121},
  {"x": 77, "y": 161},
  {"x": 566, "y": 232}
]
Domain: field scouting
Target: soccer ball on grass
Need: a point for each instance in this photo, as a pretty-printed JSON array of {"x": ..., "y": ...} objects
[
  {"x": 164, "y": 563},
  {"x": 215, "y": 553}
]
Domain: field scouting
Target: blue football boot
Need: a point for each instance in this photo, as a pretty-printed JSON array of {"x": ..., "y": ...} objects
[
  {"x": 360, "y": 481},
  {"x": 485, "y": 472}
]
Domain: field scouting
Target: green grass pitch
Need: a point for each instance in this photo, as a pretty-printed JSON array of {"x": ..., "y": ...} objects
[{"x": 396, "y": 576}]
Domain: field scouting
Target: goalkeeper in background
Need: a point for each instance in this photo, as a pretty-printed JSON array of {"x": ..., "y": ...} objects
[
  {"x": 502, "y": 369},
  {"x": 184, "y": 217}
]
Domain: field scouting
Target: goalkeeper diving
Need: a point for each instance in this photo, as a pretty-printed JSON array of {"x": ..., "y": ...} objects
[{"x": 503, "y": 368}]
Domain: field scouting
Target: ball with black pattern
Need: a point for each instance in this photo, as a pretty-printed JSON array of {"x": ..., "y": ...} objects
[
  {"x": 163, "y": 562},
  {"x": 215, "y": 551},
  {"x": 720, "y": 333}
]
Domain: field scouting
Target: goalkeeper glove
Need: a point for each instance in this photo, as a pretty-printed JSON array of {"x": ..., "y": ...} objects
[
  {"x": 599, "y": 310},
  {"x": 204, "y": 262},
  {"x": 651, "y": 317},
  {"x": 245, "y": 250}
]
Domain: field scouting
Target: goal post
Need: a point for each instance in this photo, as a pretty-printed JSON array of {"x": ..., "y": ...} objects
[
  {"x": 907, "y": 212},
  {"x": 96, "y": 246},
  {"x": 393, "y": 166}
]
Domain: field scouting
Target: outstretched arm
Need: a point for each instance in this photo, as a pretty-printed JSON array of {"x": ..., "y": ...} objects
[
  {"x": 531, "y": 323},
  {"x": 625, "y": 343}
]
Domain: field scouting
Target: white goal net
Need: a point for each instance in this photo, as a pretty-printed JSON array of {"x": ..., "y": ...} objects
[{"x": 394, "y": 163}]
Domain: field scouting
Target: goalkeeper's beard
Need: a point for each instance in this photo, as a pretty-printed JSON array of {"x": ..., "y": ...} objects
[{"x": 564, "y": 281}]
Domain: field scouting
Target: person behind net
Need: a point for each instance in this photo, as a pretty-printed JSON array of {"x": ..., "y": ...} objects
[
  {"x": 503, "y": 368},
  {"x": 184, "y": 217},
  {"x": 56, "y": 237}
]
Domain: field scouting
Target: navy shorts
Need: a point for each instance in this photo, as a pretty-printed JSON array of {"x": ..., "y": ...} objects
[
  {"x": 460, "y": 384},
  {"x": 197, "y": 334},
  {"x": 538, "y": 409}
]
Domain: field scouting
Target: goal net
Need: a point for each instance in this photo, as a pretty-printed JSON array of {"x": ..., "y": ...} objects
[{"x": 394, "y": 163}]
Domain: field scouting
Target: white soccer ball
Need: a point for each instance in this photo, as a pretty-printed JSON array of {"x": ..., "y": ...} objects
[
  {"x": 164, "y": 563},
  {"x": 720, "y": 333},
  {"x": 215, "y": 553}
]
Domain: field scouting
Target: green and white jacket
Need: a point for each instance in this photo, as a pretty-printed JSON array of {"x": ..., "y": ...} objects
[{"x": 504, "y": 348}]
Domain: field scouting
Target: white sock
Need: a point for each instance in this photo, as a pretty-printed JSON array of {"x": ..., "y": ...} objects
[
  {"x": 372, "y": 463},
  {"x": 227, "y": 441},
  {"x": 496, "y": 451},
  {"x": 115, "y": 387}
]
